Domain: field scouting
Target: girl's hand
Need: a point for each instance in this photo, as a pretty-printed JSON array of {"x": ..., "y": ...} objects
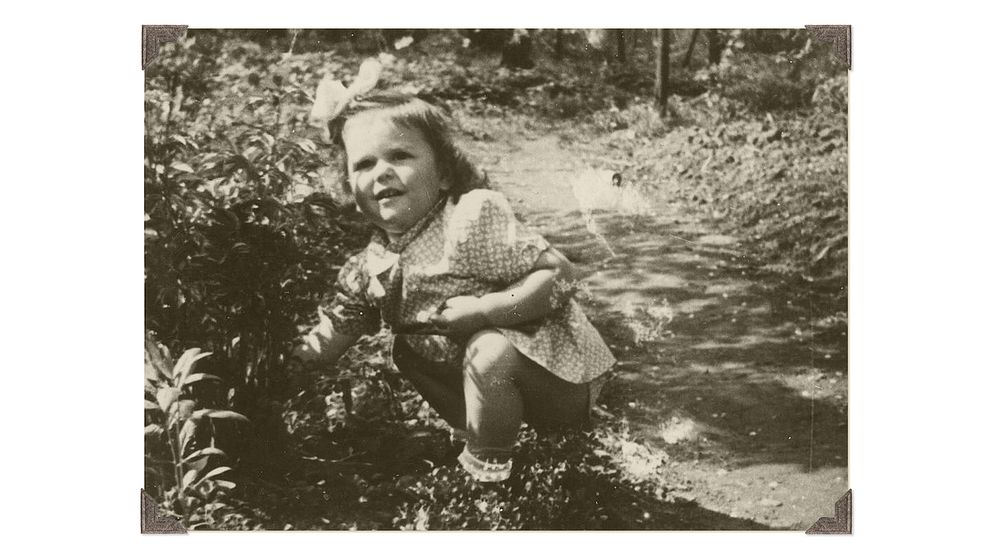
[{"x": 461, "y": 316}]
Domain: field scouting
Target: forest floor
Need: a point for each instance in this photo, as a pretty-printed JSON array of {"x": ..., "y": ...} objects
[{"x": 732, "y": 373}]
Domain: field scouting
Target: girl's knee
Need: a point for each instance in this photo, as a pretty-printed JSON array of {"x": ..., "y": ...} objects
[
  {"x": 489, "y": 354},
  {"x": 488, "y": 344}
]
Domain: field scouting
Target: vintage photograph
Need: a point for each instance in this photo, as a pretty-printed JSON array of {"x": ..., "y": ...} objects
[{"x": 495, "y": 279}]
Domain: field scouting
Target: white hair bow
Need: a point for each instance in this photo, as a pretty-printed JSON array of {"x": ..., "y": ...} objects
[{"x": 333, "y": 97}]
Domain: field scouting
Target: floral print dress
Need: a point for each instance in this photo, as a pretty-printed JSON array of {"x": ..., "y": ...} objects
[{"x": 473, "y": 247}]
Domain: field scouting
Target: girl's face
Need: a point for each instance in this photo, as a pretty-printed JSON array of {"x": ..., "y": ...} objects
[{"x": 393, "y": 173}]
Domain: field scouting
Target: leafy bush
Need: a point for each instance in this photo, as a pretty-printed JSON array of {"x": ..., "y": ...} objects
[
  {"x": 191, "y": 441},
  {"x": 240, "y": 242},
  {"x": 242, "y": 239}
]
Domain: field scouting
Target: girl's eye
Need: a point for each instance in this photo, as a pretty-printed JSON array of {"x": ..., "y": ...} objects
[
  {"x": 401, "y": 155},
  {"x": 363, "y": 164}
]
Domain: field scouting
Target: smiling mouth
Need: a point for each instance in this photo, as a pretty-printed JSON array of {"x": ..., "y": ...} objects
[{"x": 387, "y": 193}]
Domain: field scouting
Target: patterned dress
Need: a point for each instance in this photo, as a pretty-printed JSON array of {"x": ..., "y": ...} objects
[{"x": 471, "y": 248}]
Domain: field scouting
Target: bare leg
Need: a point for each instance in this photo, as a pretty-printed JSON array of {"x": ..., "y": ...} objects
[
  {"x": 493, "y": 404},
  {"x": 498, "y": 389}
]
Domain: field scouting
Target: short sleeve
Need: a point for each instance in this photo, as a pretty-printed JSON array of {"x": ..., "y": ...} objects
[
  {"x": 349, "y": 308},
  {"x": 489, "y": 242}
]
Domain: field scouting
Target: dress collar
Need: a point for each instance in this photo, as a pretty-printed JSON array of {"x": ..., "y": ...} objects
[{"x": 397, "y": 246}]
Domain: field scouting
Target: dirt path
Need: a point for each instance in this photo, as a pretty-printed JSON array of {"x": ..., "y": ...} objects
[{"x": 725, "y": 372}]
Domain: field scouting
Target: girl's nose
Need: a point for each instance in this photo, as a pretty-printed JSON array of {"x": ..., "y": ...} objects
[{"x": 384, "y": 172}]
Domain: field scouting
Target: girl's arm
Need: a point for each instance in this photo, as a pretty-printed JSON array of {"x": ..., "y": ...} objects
[
  {"x": 531, "y": 298},
  {"x": 534, "y": 296},
  {"x": 323, "y": 344}
]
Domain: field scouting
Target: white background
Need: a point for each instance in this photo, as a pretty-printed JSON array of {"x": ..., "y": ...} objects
[{"x": 72, "y": 199}]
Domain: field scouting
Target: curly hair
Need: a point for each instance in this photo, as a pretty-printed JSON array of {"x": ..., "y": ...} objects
[{"x": 413, "y": 113}]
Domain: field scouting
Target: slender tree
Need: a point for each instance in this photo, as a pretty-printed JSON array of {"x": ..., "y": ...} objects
[
  {"x": 692, "y": 45},
  {"x": 661, "y": 85},
  {"x": 716, "y": 47}
]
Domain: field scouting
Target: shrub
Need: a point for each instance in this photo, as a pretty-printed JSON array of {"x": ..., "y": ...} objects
[
  {"x": 240, "y": 241},
  {"x": 188, "y": 439}
]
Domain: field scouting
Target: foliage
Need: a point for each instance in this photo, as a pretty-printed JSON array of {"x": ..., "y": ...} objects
[
  {"x": 239, "y": 242},
  {"x": 770, "y": 70},
  {"x": 190, "y": 440},
  {"x": 780, "y": 178},
  {"x": 569, "y": 481}
]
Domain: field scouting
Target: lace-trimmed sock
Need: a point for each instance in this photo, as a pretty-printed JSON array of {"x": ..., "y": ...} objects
[{"x": 485, "y": 471}]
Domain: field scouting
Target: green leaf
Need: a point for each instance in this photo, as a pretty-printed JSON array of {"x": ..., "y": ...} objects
[
  {"x": 215, "y": 473},
  {"x": 158, "y": 365},
  {"x": 199, "y": 377},
  {"x": 187, "y": 363},
  {"x": 205, "y": 452},
  {"x": 150, "y": 405},
  {"x": 153, "y": 430},
  {"x": 182, "y": 410},
  {"x": 182, "y": 167},
  {"x": 226, "y": 484},
  {"x": 307, "y": 145},
  {"x": 219, "y": 414},
  {"x": 188, "y": 478},
  {"x": 187, "y": 434},
  {"x": 166, "y": 397}
]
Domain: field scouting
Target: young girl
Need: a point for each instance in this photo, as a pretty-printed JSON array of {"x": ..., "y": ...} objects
[{"x": 482, "y": 311}]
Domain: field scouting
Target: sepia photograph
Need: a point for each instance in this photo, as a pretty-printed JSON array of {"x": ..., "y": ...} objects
[{"x": 489, "y": 279}]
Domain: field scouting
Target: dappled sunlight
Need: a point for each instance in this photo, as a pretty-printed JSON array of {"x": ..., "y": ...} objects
[
  {"x": 717, "y": 240},
  {"x": 726, "y": 287},
  {"x": 753, "y": 417},
  {"x": 729, "y": 366},
  {"x": 744, "y": 341},
  {"x": 621, "y": 279},
  {"x": 693, "y": 305},
  {"x": 712, "y": 360}
]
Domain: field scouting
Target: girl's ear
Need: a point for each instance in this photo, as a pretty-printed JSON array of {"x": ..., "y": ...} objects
[{"x": 445, "y": 177}]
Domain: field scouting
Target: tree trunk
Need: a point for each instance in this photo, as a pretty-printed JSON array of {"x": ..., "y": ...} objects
[
  {"x": 666, "y": 50},
  {"x": 519, "y": 51},
  {"x": 661, "y": 85},
  {"x": 692, "y": 45},
  {"x": 716, "y": 47}
]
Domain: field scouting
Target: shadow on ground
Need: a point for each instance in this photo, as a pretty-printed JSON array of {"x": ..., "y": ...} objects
[
  {"x": 716, "y": 358},
  {"x": 739, "y": 375}
]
